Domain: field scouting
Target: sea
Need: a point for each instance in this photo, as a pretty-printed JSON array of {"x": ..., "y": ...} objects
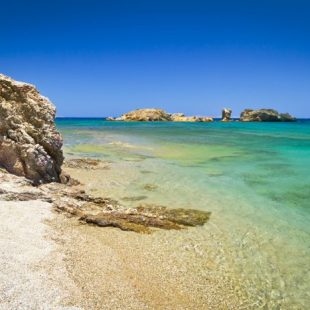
[{"x": 254, "y": 178}]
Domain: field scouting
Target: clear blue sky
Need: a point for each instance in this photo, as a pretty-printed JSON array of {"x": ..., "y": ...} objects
[{"x": 100, "y": 58}]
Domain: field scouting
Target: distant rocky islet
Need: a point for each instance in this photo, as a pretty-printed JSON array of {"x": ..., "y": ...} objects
[{"x": 159, "y": 115}]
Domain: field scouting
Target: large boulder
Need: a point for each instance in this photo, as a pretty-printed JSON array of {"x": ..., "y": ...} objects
[
  {"x": 226, "y": 115},
  {"x": 30, "y": 145},
  {"x": 265, "y": 115}
]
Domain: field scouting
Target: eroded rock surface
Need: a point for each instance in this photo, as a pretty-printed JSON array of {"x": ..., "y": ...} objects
[
  {"x": 99, "y": 211},
  {"x": 226, "y": 115},
  {"x": 265, "y": 115},
  {"x": 179, "y": 117},
  {"x": 148, "y": 115},
  {"x": 30, "y": 145}
]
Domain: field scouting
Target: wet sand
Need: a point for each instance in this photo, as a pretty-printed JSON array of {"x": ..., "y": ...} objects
[
  {"x": 164, "y": 270},
  {"x": 50, "y": 260}
]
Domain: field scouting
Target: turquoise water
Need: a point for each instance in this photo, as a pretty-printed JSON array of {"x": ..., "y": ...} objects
[{"x": 253, "y": 177}]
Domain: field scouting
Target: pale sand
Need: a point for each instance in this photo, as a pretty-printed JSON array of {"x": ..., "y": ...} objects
[{"x": 33, "y": 274}]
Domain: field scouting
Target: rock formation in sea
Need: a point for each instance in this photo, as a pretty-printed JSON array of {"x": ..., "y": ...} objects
[
  {"x": 150, "y": 115},
  {"x": 226, "y": 115},
  {"x": 30, "y": 145},
  {"x": 265, "y": 115}
]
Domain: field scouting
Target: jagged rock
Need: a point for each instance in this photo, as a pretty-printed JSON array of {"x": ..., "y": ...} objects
[
  {"x": 226, "y": 115},
  {"x": 73, "y": 201},
  {"x": 30, "y": 145},
  {"x": 265, "y": 115}
]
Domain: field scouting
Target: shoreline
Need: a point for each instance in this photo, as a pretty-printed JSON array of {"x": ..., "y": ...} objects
[
  {"x": 126, "y": 270},
  {"x": 73, "y": 265},
  {"x": 193, "y": 268}
]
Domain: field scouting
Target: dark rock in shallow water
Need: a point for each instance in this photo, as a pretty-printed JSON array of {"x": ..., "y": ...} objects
[
  {"x": 144, "y": 217},
  {"x": 150, "y": 187},
  {"x": 109, "y": 213},
  {"x": 265, "y": 115},
  {"x": 134, "y": 198},
  {"x": 73, "y": 200},
  {"x": 85, "y": 163},
  {"x": 30, "y": 145}
]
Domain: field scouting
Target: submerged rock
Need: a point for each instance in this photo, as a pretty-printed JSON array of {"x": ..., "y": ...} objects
[
  {"x": 104, "y": 212},
  {"x": 144, "y": 217},
  {"x": 226, "y": 115},
  {"x": 150, "y": 187},
  {"x": 265, "y": 115},
  {"x": 134, "y": 198},
  {"x": 85, "y": 163},
  {"x": 30, "y": 145}
]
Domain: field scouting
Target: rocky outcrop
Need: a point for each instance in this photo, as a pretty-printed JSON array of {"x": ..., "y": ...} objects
[
  {"x": 147, "y": 115},
  {"x": 226, "y": 115},
  {"x": 103, "y": 212},
  {"x": 265, "y": 115},
  {"x": 150, "y": 115},
  {"x": 30, "y": 145}
]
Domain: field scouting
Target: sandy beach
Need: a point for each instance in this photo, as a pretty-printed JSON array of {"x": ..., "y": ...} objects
[
  {"x": 54, "y": 261},
  {"x": 126, "y": 270},
  {"x": 33, "y": 274}
]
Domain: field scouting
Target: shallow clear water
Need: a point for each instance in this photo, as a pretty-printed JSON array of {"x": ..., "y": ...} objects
[{"x": 253, "y": 177}]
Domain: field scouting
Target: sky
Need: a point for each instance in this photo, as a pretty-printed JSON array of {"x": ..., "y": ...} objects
[{"x": 100, "y": 58}]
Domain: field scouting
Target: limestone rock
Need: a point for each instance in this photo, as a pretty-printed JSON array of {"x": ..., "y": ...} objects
[
  {"x": 226, "y": 115},
  {"x": 149, "y": 115},
  {"x": 74, "y": 201},
  {"x": 30, "y": 145},
  {"x": 183, "y": 118},
  {"x": 265, "y": 115}
]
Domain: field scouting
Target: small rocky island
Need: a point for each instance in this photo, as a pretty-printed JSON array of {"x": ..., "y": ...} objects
[
  {"x": 159, "y": 115},
  {"x": 265, "y": 115}
]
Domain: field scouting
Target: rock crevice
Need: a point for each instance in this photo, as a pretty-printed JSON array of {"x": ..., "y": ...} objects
[{"x": 30, "y": 145}]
